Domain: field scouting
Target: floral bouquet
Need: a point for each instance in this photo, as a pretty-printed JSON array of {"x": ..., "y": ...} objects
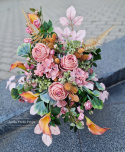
[{"x": 58, "y": 77}]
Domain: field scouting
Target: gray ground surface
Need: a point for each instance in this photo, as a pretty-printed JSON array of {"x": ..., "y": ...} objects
[
  {"x": 98, "y": 16},
  {"x": 8, "y": 106},
  {"x": 111, "y": 116}
]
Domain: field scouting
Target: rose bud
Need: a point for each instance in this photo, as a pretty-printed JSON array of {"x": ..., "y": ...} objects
[{"x": 68, "y": 86}]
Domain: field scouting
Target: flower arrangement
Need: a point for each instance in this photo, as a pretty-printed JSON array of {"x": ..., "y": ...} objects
[{"x": 58, "y": 77}]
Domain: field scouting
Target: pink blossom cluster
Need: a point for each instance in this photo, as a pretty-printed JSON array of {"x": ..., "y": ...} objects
[
  {"x": 47, "y": 67},
  {"x": 79, "y": 76}
]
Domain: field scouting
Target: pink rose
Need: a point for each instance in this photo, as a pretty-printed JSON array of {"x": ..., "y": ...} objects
[
  {"x": 29, "y": 30},
  {"x": 40, "y": 52},
  {"x": 28, "y": 40},
  {"x": 57, "y": 92},
  {"x": 80, "y": 110},
  {"x": 88, "y": 105},
  {"x": 69, "y": 62},
  {"x": 81, "y": 116},
  {"x": 36, "y": 23}
]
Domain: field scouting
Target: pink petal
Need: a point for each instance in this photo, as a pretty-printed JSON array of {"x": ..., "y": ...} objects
[
  {"x": 8, "y": 83},
  {"x": 64, "y": 21},
  {"x": 67, "y": 32},
  {"x": 103, "y": 95},
  {"x": 71, "y": 13},
  {"x": 73, "y": 35},
  {"x": 12, "y": 78},
  {"x": 32, "y": 111},
  {"x": 37, "y": 129},
  {"x": 58, "y": 31},
  {"x": 102, "y": 85},
  {"x": 55, "y": 130},
  {"x": 78, "y": 20},
  {"x": 21, "y": 80},
  {"x": 12, "y": 85},
  {"x": 46, "y": 139},
  {"x": 61, "y": 103},
  {"x": 80, "y": 35},
  {"x": 89, "y": 85}
]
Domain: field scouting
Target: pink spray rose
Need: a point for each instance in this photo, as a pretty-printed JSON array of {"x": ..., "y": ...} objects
[
  {"x": 88, "y": 105},
  {"x": 80, "y": 110},
  {"x": 36, "y": 23},
  {"x": 69, "y": 62},
  {"x": 79, "y": 76},
  {"x": 90, "y": 56},
  {"x": 40, "y": 52},
  {"x": 81, "y": 116},
  {"x": 57, "y": 92},
  {"x": 28, "y": 40},
  {"x": 29, "y": 30}
]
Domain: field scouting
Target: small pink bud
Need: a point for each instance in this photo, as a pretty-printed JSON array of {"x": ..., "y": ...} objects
[
  {"x": 81, "y": 116},
  {"x": 31, "y": 67},
  {"x": 36, "y": 23},
  {"x": 52, "y": 52},
  {"x": 28, "y": 30},
  {"x": 90, "y": 56},
  {"x": 28, "y": 59},
  {"x": 28, "y": 40},
  {"x": 55, "y": 46}
]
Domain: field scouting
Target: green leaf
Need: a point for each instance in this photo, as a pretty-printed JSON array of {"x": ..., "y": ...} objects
[
  {"x": 71, "y": 127},
  {"x": 55, "y": 111},
  {"x": 14, "y": 93},
  {"x": 45, "y": 26},
  {"x": 45, "y": 97},
  {"x": 50, "y": 29},
  {"x": 72, "y": 110},
  {"x": 45, "y": 35},
  {"x": 23, "y": 49},
  {"x": 66, "y": 119},
  {"x": 91, "y": 76},
  {"x": 99, "y": 86},
  {"x": 57, "y": 121},
  {"x": 96, "y": 93},
  {"x": 41, "y": 108},
  {"x": 75, "y": 129},
  {"x": 49, "y": 24},
  {"x": 20, "y": 88},
  {"x": 97, "y": 103},
  {"x": 94, "y": 64},
  {"x": 98, "y": 50},
  {"x": 32, "y": 9},
  {"x": 97, "y": 57},
  {"x": 52, "y": 123}
]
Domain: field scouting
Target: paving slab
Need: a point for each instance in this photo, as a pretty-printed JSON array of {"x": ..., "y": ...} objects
[{"x": 24, "y": 140}]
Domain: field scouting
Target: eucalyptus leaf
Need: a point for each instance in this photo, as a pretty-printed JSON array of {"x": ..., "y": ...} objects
[
  {"x": 23, "y": 49},
  {"x": 96, "y": 93},
  {"x": 52, "y": 102},
  {"x": 91, "y": 76},
  {"x": 45, "y": 97},
  {"x": 97, "y": 103},
  {"x": 40, "y": 108},
  {"x": 99, "y": 86}
]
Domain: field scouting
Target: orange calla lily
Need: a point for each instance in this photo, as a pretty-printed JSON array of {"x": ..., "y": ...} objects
[
  {"x": 94, "y": 129},
  {"x": 32, "y": 17},
  {"x": 17, "y": 64},
  {"x": 29, "y": 96},
  {"x": 44, "y": 124}
]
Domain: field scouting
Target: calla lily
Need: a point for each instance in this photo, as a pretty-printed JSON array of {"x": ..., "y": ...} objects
[
  {"x": 29, "y": 96},
  {"x": 32, "y": 17},
  {"x": 44, "y": 124},
  {"x": 17, "y": 64},
  {"x": 94, "y": 129}
]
